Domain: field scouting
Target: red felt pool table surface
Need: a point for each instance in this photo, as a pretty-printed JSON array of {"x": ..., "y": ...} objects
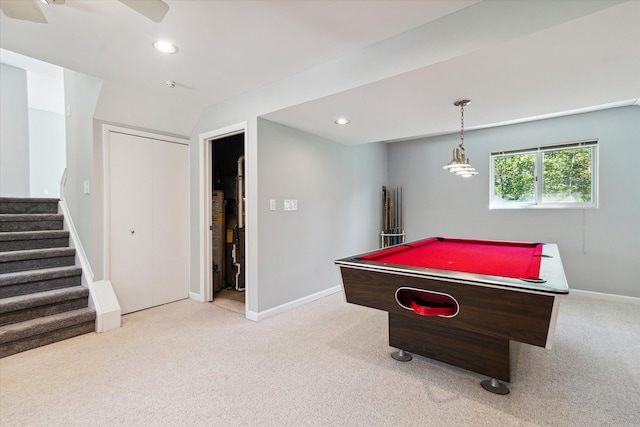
[{"x": 493, "y": 258}]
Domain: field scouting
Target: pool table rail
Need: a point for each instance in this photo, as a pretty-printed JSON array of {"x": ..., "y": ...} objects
[{"x": 551, "y": 272}]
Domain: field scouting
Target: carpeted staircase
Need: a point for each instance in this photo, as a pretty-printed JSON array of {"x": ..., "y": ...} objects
[{"x": 41, "y": 297}]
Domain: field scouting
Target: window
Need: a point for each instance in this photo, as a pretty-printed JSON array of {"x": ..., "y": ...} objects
[{"x": 561, "y": 176}]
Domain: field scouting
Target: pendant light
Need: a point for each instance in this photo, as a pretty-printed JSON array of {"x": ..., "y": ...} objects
[{"x": 460, "y": 165}]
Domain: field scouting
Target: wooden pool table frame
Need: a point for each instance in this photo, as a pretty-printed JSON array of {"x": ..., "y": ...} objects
[{"x": 492, "y": 311}]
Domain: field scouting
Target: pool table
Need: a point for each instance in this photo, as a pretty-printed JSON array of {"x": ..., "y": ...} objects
[{"x": 462, "y": 301}]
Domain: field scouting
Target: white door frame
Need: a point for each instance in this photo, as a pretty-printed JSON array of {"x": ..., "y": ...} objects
[{"x": 205, "y": 143}]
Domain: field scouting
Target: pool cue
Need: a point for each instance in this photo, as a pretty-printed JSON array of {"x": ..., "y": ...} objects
[
  {"x": 395, "y": 216},
  {"x": 402, "y": 215},
  {"x": 397, "y": 239},
  {"x": 385, "y": 214},
  {"x": 399, "y": 214}
]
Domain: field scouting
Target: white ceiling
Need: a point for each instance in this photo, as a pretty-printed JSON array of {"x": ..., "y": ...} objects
[{"x": 531, "y": 59}]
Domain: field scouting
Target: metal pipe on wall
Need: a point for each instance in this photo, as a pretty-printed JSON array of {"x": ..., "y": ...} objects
[
  {"x": 238, "y": 247},
  {"x": 241, "y": 192}
]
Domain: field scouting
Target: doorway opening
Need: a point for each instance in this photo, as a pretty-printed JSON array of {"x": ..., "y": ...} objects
[{"x": 228, "y": 222}]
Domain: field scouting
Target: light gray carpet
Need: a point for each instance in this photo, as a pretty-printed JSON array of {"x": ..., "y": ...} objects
[
  {"x": 231, "y": 300},
  {"x": 324, "y": 364}
]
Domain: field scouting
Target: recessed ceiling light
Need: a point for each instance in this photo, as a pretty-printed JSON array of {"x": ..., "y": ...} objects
[
  {"x": 342, "y": 121},
  {"x": 165, "y": 47}
]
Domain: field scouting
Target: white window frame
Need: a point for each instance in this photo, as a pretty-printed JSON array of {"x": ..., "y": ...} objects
[{"x": 538, "y": 178}]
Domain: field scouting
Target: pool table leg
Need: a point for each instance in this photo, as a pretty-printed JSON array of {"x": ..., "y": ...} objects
[
  {"x": 401, "y": 356},
  {"x": 494, "y": 386}
]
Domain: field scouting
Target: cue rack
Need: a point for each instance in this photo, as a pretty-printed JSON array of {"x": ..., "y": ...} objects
[{"x": 392, "y": 214}]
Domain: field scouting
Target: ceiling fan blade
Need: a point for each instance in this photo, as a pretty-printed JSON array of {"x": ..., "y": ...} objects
[
  {"x": 24, "y": 10},
  {"x": 152, "y": 9}
]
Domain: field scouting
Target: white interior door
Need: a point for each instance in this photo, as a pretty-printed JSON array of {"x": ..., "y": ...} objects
[
  {"x": 170, "y": 222},
  {"x": 131, "y": 227},
  {"x": 149, "y": 220}
]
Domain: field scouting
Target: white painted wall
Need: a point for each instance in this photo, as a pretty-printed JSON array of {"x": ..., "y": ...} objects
[
  {"x": 129, "y": 106},
  {"x": 47, "y": 152},
  {"x": 44, "y": 137},
  {"x": 599, "y": 247},
  {"x": 338, "y": 192},
  {"x": 46, "y": 86},
  {"x": 46, "y": 127},
  {"x": 14, "y": 132},
  {"x": 81, "y": 96}
]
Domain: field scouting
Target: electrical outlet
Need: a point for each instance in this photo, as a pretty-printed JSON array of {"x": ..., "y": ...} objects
[{"x": 290, "y": 205}]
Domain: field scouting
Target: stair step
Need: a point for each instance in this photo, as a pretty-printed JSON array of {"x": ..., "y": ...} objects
[
  {"x": 30, "y": 222},
  {"x": 22, "y": 240},
  {"x": 26, "y": 307},
  {"x": 28, "y": 282},
  {"x": 21, "y": 205},
  {"x": 42, "y": 300},
  {"x": 35, "y": 259},
  {"x": 22, "y": 336}
]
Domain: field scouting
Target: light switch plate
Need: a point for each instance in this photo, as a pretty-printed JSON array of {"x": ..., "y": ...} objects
[
  {"x": 272, "y": 205},
  {"x": 291, "y": 205}
]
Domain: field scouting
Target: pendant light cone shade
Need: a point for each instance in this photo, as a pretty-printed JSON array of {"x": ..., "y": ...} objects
[{"x": 460, "y": 164}]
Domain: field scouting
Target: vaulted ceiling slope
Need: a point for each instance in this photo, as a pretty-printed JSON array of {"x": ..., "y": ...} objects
[{"x": 397, "y": 65}]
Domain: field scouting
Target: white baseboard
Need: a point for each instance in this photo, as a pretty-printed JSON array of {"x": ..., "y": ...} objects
[
  {"x": 603, "y": 296},
  {"x": 258, "y": 316},
  {"x": 196, "y": 297},
  {"x": 105, "y": 303},
  {"x": 74, "y": 240}
]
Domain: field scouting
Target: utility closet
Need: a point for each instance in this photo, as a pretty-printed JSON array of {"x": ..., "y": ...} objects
[{"x": 228, "y": 214}]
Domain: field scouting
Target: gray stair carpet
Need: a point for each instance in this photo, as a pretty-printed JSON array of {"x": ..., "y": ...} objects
[
  {"x": 34, "y": 259},
  {"x": 21, "y": 240},
  {"x": 30, "y": 222},
  {"x": 33, "y": 333},
  {"x": 28, "y": 282},
  {"x": 26, "y": 307},
  {"x": 42, "y": 299},
  {"x": 18, "y": 205}
]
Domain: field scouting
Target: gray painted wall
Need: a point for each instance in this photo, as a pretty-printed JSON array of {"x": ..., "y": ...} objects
[
  {"x": 14, "y": 132},
  {"x": 599, "y": 247},
  {"x": 338, "y": 192}
]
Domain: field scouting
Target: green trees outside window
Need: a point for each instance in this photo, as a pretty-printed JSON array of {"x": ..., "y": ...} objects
[
  {"x": 514, "y": 177},
  {"x": 567, "y": 175},
  {"x": 545, "y": 177}
]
